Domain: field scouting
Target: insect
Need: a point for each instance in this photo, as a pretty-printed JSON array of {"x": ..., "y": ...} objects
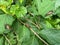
[{"x": 7, "y": 26}]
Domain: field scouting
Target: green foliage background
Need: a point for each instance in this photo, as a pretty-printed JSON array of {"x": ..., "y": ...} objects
[{"x": 29, "y": 22}]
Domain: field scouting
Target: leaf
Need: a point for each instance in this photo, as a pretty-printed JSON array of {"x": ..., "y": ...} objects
[
  {"x": 48, "y": 25},
  {"x": 3, "y": 8},
  {"x": 1, "y": 40},
  {"x": 5, "y": 19},
  {"x": 13, "y": 9},
  {"x": 32, "y": 9},
  {"x": 21, "y": 12},
  {"x": 3, "y": 2},
  {"x": 32, "y": 41},
  {"x": 21, "y": 1},
  {"x": 57, "y": 11},
  {"x": 25, "y": 35},
  {"x": 52, "y": 36},
  {"x": 44, "y": 6},
  {"x": 57, "y": 4},
  {"x": 23, "y": 32},
  {"x": 10, "y": 1},
  {"x": 38, "y": 4}
]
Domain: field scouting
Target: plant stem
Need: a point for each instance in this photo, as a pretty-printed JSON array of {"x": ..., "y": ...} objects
[
  {"x": 7, "y": 39},
  {"x": 34, "y": 32}
]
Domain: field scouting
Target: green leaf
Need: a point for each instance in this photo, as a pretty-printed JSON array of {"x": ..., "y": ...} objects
[
  {"x": 32, "y": 41},
  {"x": 21, "y": 12},
  {"x": 25, "y": 35},
  {"x": 10, "y": 1},
  {"x": 1, "y": 40},
  {"x": 44, "y": 6},
  {"x": 57, "y": 4},
  {"x": 5, "y": 19},
  {"x": 3, "y": 2},
  {"x": 32, "y": 9},
  {"x": 38, "y": 4},
  {"x": 13, "y": 9},
  {"x": 52, "y": 36},
  {"x": 57, "y": 11},
  {"x": 48, "y": 25},
  {"x": 21, "y": 1},
  {"x": 23, "y": 32}
]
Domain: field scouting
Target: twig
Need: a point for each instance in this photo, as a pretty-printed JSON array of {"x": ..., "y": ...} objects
[
  {"x": 34, "y": 32},
  {"x": 7, "y": 39},
  {"x": 33, "y": 23}
]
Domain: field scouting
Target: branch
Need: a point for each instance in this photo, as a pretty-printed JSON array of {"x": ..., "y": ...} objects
[
  {"x": 33, "y": 23},
  {"x": 7, "y": 39},
  {"x": 34, "y": 32}
]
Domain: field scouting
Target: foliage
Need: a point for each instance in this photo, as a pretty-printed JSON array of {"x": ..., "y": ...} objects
[{"x": 29, "y": 22}]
